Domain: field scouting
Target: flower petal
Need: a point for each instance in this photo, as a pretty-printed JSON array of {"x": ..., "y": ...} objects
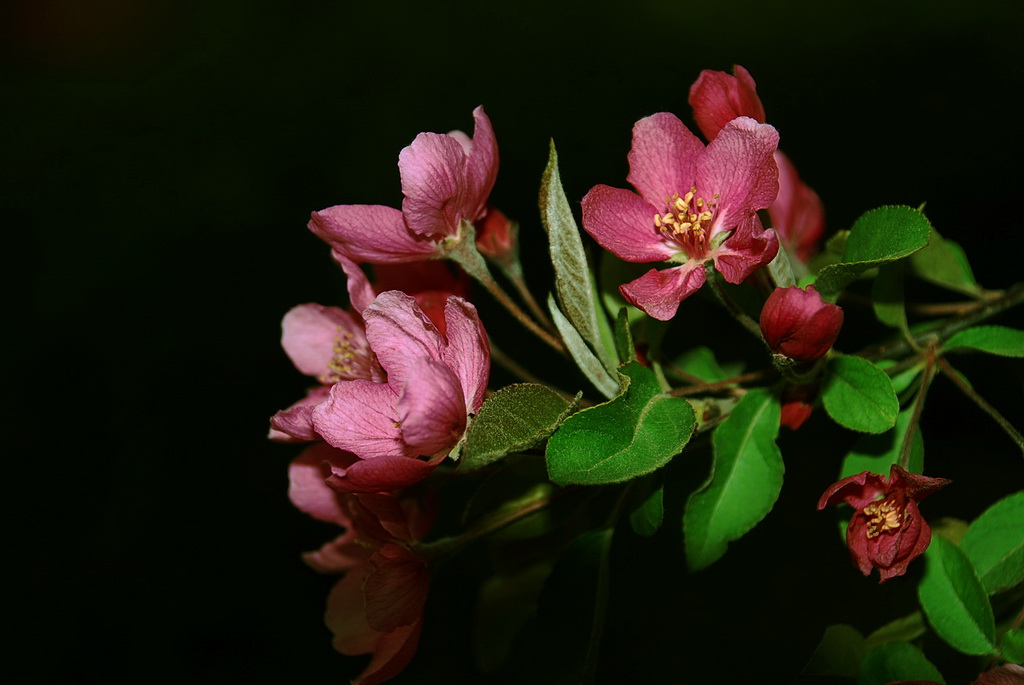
[
  {"x": 481, "y": 166},
  {"x": 623, "y": 223},
  {"x": 307, "y": 486},
  {"x": 361, "y": 417},
  {"x": 663, "y": 158},
  {"x": 396, "y": 588},
  {"x": 360, "y": 291},
  {"x": 370, "y": 233},
  {"x": 858, "y": 491},
  {"x": 309, "y": 333},
  {"x": 739, "y": 167},
  {"x": 433, "y": 172},
  {"x": 380, "y": 474},
  {"x": 295, "y": 424},
  {"x": 797, "y": 214},
  {"x": 431, "y": 410},
  {"x": 748, "y": 249},
  {"x": 717, "y": 98},
  {"x": 659, "y": 292},
  {"x": 468, "y": 353},
  {"x": 399, "y": 334},
  {"x": 339, "y": 555}
]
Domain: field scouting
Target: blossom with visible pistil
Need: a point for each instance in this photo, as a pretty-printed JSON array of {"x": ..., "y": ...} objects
[
  {"x": 446, "y": 180},
  {"x": 798, "y": 324},
  {"x": 887, "y": 530},
  {"x": 434, "y": 382},
  {"x": 693, "y": 205},
  {"x": 377, "y": 607},
  {"x": 797, "y": 214}
]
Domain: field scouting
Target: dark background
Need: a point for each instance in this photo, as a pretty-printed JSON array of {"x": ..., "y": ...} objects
[{"x": 161, "y": 159}]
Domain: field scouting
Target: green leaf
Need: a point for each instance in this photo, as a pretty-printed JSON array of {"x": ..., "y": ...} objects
[
  {"x": 955, "y": 601},
  {"x": 839, "y": 653},
  {"x": 515, "y": 418},
  {"x": 878, "y": 236},
  {"x": 859, "y": 395},
  {"x": 701, "y": 362},
  {"x": 563, "y": 644},
  {"x": 999, "y": 340},
  {"x": 887, "y": 297},
  {"x": 572, "y": 272},
  {"x": 624, "y": 346},
  {"x": 902, "y": 629},
  {"x": 585, "y": 359},
  {"x": 505, "y": 604},
  {"x": 1012, "y": 646},
  {"x": 635, "y": 433},
  {"x": 876, "y": 453},
  {"x": 896, "y": 661},
  {"x": 515, "y": 486},
  {"x": 995, "y": 544},
  {"x": 647, "y": 504},
  {"x": 744, "y": 483},
  {"x": 781, "y": 269},
  {"x": 944, "y": 263}
]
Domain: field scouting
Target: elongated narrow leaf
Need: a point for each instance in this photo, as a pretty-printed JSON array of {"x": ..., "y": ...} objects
[
  {"x": 876, "y": 453},
  {"x": 576, "y": 294},
  {"x": 647, "y": 504},
  {"x": 944, "y": 263},
  {"x": 902, "y": 629},
  {"x": 839, "y": 653},
  {"x": 995, "y": 544},
  {"x": 585, "y": 359},
  {"x": 632, "y": 435},
  {"x": 745, "y": 479},
  {"x": 955, "y": 601},
  {"x": 1012, "y": 646},
  {"x": 999, "y": 340},
  {"x": 897, "y": 661},
  {"x": 563, "y": 645},
  {"x": 513, "y": 419},
  {"x": 859, "y": 395},
  {"x": 624, "y": 346},
  {"x": 701, "y": 362},
  {"x": 878, "y": 236}
]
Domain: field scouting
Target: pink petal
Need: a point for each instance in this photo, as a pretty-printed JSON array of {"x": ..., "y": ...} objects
[
  {"x": 346, "y": 617},
  {"x": 481, "y": 167},
  {"x": 749, "y": 248},
  {"x": 433, "y": 172},
  {"x": 360, "y": 292},
  {"x": 717, "y": 98},
  {"x": 399, "y": 334},
  {"x": 797, "y": 214},
  {"x": 858, "y": 544},
  {"x": 468, "y": 353},
  {"x": 858, "y": 491},
  {"x": 662, "y": 161},
  {"x": 623, "y": 223},
  {"x": 381, "y": 516},
  {"x": 307, "y": 486},
  {"x": 295, "y": 424},
  {"x": 396, "y": 588},
  {"x": 659, "y": 292},
  {"x": 361, "y": 417},
  {"x": 739, "y": 167},
  {"x": 337, "y": 556},
  {"x": 380, "y": 474},
  {"x": 370, "y": 233},
  {"x": 309, "y": 333},
  {"x": 431, "y": 410}
]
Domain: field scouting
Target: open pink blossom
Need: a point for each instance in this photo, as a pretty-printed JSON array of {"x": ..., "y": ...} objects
[
  {"x": 377, "y": 606},
  {"x": 401, "y": 429},
  {"x": 446, "y": 180},
  {"x": 693, "y": 205},
  {"x": 887, "y": 530},
  {"x": 797, "y": 214}
]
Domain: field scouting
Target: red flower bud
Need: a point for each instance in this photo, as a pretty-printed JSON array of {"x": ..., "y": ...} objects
[
  {"x": 798, "y": 324},
  {"x": 495, "y": 237}
]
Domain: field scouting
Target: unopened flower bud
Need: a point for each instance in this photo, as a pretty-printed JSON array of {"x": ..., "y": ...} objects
[
  {"x": 798, "y": 324},
  {"x": 495, "y": 235}
]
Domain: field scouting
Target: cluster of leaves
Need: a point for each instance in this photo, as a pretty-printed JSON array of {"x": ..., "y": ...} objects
[{"x": 612, "y": 452}]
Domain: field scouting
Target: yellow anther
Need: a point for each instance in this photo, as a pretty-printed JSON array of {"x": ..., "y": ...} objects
[
  {"x": 885, "y": 516},
  {"x": 657, "y": 221}
]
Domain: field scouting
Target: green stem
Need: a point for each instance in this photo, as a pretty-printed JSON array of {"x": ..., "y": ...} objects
[
  {"x": 953, "y": 375},
  {"x": 726, "y": 384},
  {"x": 915, "y": 418}
]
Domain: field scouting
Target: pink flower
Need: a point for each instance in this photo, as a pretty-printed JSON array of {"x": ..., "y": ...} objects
[
  {"x": 446, "y": 180},
  {"x": 717, "y": 98},
  {"x": 798, "y": 324},
  {"x": 797, "y": 215},
  {"x": 377, "y": 607},
  {"x": 887, "y": 530},
  {"x": 433, "y": 383},
  {"x": 695, "y": 205}
]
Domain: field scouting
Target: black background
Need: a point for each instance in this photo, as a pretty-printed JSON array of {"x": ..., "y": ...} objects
[{"x": 160, "y": 162}]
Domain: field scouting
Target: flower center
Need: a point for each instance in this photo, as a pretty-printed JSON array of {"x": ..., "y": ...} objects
[
  {"x": 884, "y": 516},
  {"x": 687, "y": 220},
  {"x": 353, "y": 359}
]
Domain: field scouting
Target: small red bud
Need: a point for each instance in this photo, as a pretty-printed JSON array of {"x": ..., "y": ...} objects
[
  {"x": 798, "y": 324},
  {"x": 495, "y": 237}
]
